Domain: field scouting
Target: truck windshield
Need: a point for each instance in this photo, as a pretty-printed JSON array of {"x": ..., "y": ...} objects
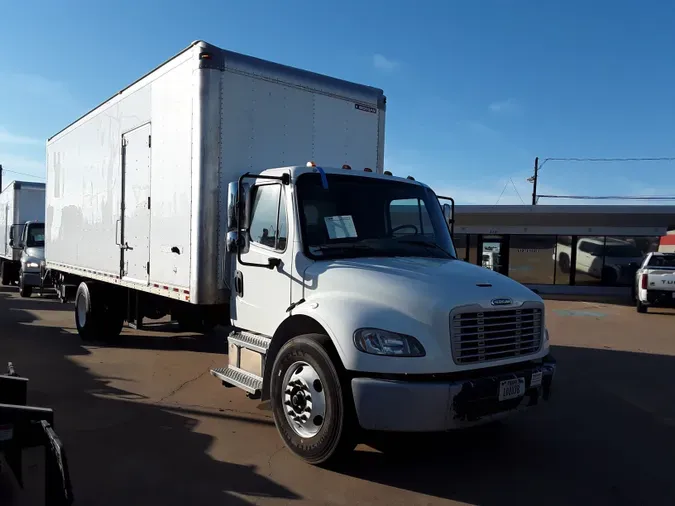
[
  {"x": 366, "y": 217},
  {"x": 36, "y": 236}
]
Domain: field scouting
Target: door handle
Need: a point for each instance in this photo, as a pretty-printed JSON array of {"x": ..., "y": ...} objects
[{"x": 117, "y": 232}]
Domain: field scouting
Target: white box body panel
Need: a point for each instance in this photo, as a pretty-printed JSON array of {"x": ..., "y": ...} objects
[
  {"x": 210, "y": 120},
  {"x": 20, "y": 202}
]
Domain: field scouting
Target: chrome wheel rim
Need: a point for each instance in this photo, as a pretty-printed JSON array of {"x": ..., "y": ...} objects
[{"x": 304, "y": 400}]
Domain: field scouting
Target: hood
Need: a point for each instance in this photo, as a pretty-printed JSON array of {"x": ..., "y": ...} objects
[
  {"x": 415, "y": 281},
  {"x": 36, "y": 252}
]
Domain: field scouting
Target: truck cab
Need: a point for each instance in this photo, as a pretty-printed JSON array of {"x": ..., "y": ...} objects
[
  {"x": 349, "y": 302},
  {"x": 30, "y": 241}
]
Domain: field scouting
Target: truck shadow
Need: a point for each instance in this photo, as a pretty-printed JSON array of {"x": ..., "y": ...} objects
[
  {"x": 606, "y": 437},
  {"x": 616, "y": 300},
  {"x": 119, "y": 451}
]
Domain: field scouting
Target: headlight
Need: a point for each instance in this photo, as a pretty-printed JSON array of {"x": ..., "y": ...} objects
[
  {"x": 32, "y": 265},
  {"x": 383, "y": 342}
]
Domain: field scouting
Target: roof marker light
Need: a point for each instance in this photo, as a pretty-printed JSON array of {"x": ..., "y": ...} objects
[
  {"x": 411, "y": 178},
  {"x": 367, "y": 169},
  {"x": 346, "y": 167},
  {"x": 311, "y": 164},
  {"x": 388, "y": 173}
]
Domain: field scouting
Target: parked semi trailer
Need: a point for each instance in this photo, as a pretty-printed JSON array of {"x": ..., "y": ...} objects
[
  {"x": 221, "y": 188},
  {"x": 21, "y": 203}
]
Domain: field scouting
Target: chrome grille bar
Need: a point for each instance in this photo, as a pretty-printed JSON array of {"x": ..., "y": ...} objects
[{"x": 485, "y": 335}]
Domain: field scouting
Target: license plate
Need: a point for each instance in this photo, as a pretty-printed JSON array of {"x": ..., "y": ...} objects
[
  {"x": 511, "y": 388},
  {"x": 536, "y": 379}
]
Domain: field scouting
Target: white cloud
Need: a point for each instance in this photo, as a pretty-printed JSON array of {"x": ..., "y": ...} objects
[
  {"x": 22, "y": 164},
  {"x": 508, "y": 106},
  {"x": 383, "y": 63},
  {"x": 7, "y": 137}
]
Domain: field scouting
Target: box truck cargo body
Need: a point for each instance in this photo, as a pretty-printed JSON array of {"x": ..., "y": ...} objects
[
  {"x": 224, "y": 189},
  {"x": 137, "y": 188},
  {"x": 20, "y": 202}
]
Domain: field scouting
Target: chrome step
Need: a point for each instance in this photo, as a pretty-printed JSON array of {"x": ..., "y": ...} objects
[
  {"x": 249, "y": 340},
  {"x": 239, "y": 378}
]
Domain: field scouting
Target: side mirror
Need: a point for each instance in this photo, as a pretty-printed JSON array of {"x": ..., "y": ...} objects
[
  {"x": 447, "y": 213},
  {"x": 232, "y": 241},
  {"x": 232, "y": 198},
  {"x": 238, "y": 213}
]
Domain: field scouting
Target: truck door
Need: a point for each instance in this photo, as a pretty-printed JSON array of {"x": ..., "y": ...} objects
[
  {"x": 135, "y": 213},
  {"x": 261, "y": 296}
]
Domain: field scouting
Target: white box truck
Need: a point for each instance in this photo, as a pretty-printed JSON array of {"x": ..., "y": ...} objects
[
  {"x": 340, "y": 281},
  {"x": 22, "y": 215}
]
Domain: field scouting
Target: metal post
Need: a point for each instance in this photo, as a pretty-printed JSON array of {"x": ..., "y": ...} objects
[
  {"x": 534, "y": 186},
  {"x": 0, "y": 177}
]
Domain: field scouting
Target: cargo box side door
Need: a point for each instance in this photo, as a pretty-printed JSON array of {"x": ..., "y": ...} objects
[{"x": 135, "y": 213}]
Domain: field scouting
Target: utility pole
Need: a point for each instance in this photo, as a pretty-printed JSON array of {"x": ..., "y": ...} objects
[
  {"x": 534, "y": 181},
  {"x": 0, "y": 177}
]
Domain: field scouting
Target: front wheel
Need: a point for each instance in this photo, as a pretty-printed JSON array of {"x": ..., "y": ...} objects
[
  {"x": 312, "y": 411},
  {"x": 24, "y": 291}
]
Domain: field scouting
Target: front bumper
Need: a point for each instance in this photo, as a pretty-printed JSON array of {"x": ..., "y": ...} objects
[
  {"x": 31, "y": 279},
  {"x": 433, "y": 406}
]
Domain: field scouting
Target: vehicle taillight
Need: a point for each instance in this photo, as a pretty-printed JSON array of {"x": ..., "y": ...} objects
[{"x": 643, "y": 282}]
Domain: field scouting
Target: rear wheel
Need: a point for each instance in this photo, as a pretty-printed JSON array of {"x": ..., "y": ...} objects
[
  {"x": 312, "y": 411},
  {"x": 564, "y": 263},
  {"x": 5, "y": 278},
  {"x": 97, "y": 313}
]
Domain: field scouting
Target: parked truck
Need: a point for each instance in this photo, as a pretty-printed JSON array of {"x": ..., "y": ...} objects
[
  {"x": 223, "y": 189},
  {"x": 22, "y": 214},
  {"x": 654, "y": 284}
]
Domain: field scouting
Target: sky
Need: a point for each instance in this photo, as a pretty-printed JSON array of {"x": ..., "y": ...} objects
[{"x": 476, "y": 89}]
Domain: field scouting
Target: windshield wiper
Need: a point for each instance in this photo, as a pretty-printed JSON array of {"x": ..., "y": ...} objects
[
  {"x": 343, "y": 247},
  {"x": 428, "y": 244}
]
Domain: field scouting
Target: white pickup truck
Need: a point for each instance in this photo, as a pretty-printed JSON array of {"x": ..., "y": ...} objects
[{"x": 655, "y": 282}]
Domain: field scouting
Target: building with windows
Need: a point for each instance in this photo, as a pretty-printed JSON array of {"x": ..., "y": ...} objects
[{"x": 562, "y": 249}]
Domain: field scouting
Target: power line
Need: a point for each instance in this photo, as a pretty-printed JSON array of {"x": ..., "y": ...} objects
[
  {"x": 23, "y": 173},
  {"x": 502, "y": 193},
  {"x": 517, "y": 192},
  {"x": 609, "y": 197},
  {"x": 630, "y": 159}
]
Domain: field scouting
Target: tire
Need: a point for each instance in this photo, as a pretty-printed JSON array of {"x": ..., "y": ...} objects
[
  {"x": 336, "y": 430},
  {"x": 5, "y": 279},
  {"x": 564, "y": 263},
  {"x": 97, "y": 313},
  {"x": 641, "y": 308},
  {"x": 24, "y": 291}
]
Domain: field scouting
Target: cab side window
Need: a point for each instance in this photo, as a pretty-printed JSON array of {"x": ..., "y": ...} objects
[{"x": 268, "y": 217}]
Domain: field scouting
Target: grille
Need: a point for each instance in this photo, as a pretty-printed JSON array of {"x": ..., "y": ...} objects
[{"x": 495, "y": 335}]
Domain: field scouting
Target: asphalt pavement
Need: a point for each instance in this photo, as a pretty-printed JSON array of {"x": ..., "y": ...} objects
[{"x": 144, "y": 423}]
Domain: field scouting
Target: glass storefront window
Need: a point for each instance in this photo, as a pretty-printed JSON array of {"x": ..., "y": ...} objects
[
  {"x": 460, "y": 241},
  {"x": 563, "y": 259},
  {"x": 532, "y": 259},
  {"x": 611, "y": 261}
]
